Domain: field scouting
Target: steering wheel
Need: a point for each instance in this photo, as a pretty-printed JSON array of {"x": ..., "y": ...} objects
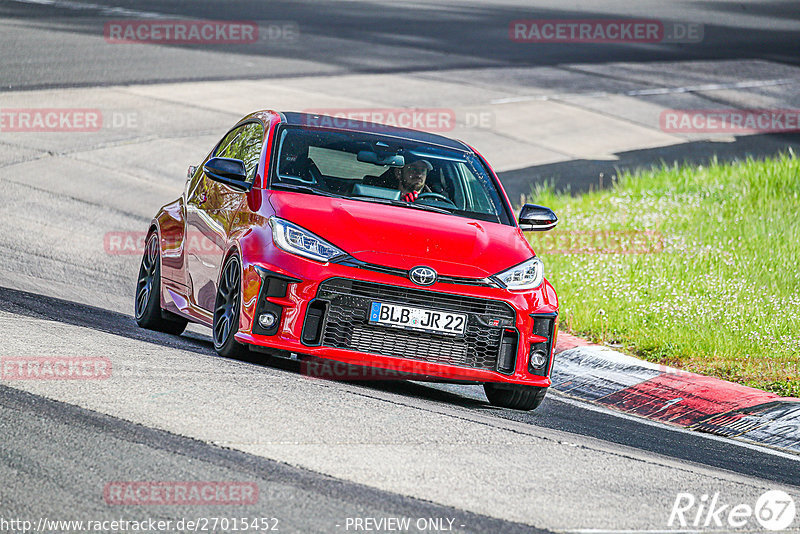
[{"x": 436, "y": 196}]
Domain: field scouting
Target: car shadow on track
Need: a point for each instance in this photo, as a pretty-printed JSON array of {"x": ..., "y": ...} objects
[
  {"x": 552, "y": 414},
  {"x": 48, "y": 308},
  {"x": 416, "y": 390},
  {"x": 582, "y": 175}
]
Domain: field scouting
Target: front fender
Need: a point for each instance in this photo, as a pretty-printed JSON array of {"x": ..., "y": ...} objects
[{"x": 250, "y": 244}]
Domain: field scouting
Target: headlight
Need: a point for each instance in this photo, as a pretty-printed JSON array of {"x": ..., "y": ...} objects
[
  {"x": 526, "y": 275},
  {"x": 296, "y": 240}
]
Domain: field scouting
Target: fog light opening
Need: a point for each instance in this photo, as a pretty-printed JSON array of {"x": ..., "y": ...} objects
[
  {"x": 267, "y": 320},
  {"x": 538, "y": 359}
]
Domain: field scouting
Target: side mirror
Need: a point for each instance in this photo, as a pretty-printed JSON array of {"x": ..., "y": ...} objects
[
  {"x": 228, "y": 171},
  {"x": 536, "y": 218}
]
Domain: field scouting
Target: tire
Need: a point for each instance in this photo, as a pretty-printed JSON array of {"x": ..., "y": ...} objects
[
  {"x": 226, "y": 310},
  {"x": 515, "y": 397},
  {"x": 147, "y": 302}
]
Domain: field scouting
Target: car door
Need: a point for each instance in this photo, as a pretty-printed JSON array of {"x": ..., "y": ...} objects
[{"x": 210, "y": 208}]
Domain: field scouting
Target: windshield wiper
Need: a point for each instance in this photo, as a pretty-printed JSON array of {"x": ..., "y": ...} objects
[
  {"x": 404, "y": 204},
  {"x": 306, "y": 189}
]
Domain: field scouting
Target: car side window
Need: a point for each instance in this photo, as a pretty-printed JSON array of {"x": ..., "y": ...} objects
[
  {"x": 250, "y": 148},
  {"x": 193, "y": 183},
  {"x": 243, "y": 143},
  {"x": 228, "y": 146}
]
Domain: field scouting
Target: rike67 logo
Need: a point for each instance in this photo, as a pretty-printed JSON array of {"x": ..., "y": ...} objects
[{"x": 774, "y": 510}]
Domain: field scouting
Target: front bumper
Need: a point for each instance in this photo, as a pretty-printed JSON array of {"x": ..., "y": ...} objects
[{"x": 323, "y": 312}]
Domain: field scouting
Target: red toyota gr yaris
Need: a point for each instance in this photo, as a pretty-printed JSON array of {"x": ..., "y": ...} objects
[{"x": 386, "y": 248}]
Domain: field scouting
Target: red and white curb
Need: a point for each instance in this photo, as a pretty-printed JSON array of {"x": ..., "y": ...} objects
[{"x": 609, "y": 378}]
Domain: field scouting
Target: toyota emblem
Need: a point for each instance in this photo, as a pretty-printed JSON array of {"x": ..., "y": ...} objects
[{"x": 422, "y": 276}]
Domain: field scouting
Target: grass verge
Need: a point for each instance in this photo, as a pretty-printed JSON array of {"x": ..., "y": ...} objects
[{"x": 693, "y": 267}]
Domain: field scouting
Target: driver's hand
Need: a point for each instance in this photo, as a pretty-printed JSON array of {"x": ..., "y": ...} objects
[{"x": 411, "y": 197}]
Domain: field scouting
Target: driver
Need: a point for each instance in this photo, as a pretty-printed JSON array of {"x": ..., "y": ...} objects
[{"x": 411, "y": 179}]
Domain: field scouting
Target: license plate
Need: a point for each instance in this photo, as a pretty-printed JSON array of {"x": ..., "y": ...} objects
[{"x": 418, "y": 319}]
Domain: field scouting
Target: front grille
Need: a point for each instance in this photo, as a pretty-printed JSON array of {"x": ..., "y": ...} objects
[
  {"x": 348, "y": 302},
  {"x": 399, "y": 343}
]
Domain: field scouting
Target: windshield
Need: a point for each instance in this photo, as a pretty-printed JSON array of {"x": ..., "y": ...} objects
[{"x": 375, "y": 168}]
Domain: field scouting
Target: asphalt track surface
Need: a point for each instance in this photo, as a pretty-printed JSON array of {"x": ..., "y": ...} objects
[
  {"x": 43, "y": 484},
  {"x": 320, "y": 452},
  {"x": 361, "y": 36},
  {"x": 556, "y": 414}
]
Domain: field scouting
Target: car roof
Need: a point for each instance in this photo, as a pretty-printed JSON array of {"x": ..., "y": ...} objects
[{"x": 313, "y": 119}]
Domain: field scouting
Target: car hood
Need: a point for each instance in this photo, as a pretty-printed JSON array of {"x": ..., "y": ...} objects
[{"x": 403, "y": 238}]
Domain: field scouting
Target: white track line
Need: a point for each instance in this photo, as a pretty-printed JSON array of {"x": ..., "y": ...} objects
[
  {"x": 105, "y": 10},
  {"x": 654, "y": 91},
  {"x": 713, "y": 87}
]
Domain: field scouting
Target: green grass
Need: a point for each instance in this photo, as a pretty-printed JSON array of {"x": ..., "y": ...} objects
[{"x": 721, "y": 296}]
